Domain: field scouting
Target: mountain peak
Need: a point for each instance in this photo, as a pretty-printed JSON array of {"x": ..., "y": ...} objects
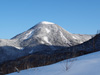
[{"x": 46, "y": 22}]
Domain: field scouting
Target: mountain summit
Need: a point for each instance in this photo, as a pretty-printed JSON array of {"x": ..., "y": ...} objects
[
  {"x": 43, "y": 36},
  {"x": 45, "y": 22}
]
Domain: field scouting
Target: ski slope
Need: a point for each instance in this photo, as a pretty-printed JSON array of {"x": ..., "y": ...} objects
[{"x": 84, "y": 65}]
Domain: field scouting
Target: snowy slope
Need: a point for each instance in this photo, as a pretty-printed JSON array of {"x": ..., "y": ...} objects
[{"x": 83, "y": 65}]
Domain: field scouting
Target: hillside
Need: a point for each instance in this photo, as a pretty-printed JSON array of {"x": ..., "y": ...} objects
[
  {"x": 83, "y": 65},
  {"x": 47, "y": 57}
]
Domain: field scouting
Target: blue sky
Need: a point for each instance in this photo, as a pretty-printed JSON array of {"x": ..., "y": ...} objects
[{"x": 76, "y": 16}]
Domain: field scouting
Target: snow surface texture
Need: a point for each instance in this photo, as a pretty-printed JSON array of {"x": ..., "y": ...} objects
[
  {"x": 13, "y": 43},
  {"x": 63, "y": 37},
  {"x": 29, "y": 35},
  {"x": 83, "y": 65},
  {"x": 46, "y": 39},
  {"x": 47, "y": 30}
]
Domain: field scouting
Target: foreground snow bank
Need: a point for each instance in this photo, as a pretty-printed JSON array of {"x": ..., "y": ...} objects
[{"x": 84, "y": 65}]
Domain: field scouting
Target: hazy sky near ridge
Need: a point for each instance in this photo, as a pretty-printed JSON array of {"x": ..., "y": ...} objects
[{"x": 76, "y": 16}]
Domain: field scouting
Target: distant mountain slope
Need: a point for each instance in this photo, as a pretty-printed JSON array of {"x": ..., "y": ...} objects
[
  {"x": 90, "y": 45},
  {"x": 42, "y": 36}
]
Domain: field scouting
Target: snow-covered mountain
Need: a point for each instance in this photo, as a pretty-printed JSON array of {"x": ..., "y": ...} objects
[
  {"x": 83, "y": 65},
  {"x": 43, "y": 36},
  {"x": 47, "y": 33}
]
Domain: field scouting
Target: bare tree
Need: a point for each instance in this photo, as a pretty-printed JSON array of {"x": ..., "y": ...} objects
[{"x": 17, "y": 69}]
